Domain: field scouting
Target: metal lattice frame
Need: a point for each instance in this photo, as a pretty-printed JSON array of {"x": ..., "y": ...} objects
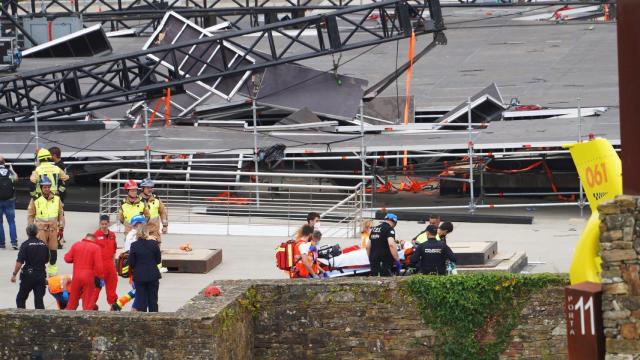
[{"x": 133, "y": 77}]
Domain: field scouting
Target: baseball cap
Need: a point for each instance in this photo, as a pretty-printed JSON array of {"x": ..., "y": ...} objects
[{"x": 392, "y": 217}]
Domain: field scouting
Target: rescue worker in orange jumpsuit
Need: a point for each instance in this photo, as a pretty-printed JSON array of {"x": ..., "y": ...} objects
[
  {"x": 48, "y": 214},
  {"x": 88, "y": 273},
  {"x": 106, "y": 239},
  {"x": 131, "y": 206},
  {"x": 158, "y": 216}
]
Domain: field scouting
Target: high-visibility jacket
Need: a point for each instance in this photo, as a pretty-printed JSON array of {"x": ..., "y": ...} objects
[
  {"x": 46, "y": 210},
  {"x": 130, "y": 209},
  {"x": 156, "y": 208},
  {"x": 54, "y": 173}
]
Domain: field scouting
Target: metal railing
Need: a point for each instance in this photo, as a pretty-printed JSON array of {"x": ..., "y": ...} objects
[{"x": 247, "y": 199}]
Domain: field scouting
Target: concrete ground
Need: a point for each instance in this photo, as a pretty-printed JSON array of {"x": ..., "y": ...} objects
[{"x": 548, "y": 242}]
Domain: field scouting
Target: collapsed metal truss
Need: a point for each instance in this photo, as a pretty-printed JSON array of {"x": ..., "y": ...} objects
[
  {"x": 239, "y": 13},
  {"x": 127, "y": 78}
]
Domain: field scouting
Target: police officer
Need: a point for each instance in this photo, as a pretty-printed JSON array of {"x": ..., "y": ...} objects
[
  {"x": 48, "y": 214},
  {"x": 431, "y": 255},
  {"x": 48, "y": 169},
  {"x": 158, "y": 215},
  {"x": 381, "y": 248},
  {"x": 32, "y": 257},
  {"x": 131, "y": 206}
]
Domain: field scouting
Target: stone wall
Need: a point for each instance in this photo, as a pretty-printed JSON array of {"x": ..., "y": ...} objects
[
  {"x": 620, "y": 251},
  {"x": 376, "y": 319},
  {"x": 339, "y": 319},
  {"x": 201, "y": 330}
]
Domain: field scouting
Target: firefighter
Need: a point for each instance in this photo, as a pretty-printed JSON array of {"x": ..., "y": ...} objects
[
  {"x": 46, "y": 168},
  {"x": 47, "y": 213},
  {"x": 158, "y": 216},
  {"x": 131, "y": 206}
]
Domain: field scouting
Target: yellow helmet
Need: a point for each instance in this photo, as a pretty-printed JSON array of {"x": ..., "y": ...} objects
[{"x": 43, "y": 154}]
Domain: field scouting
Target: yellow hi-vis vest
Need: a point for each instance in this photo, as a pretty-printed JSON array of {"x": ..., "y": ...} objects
[
  {"x": 130, "y": 210},
  {"x": 47, "y": 209},
  {"x": 154, "y": 206},
  {"x": 423, "y": 237},
  {"x": 52, "y": 172}
]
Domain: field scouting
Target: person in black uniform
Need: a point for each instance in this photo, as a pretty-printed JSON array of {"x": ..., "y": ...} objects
[
  {"x": 381, "y": 247},
  {"x": 430, "y": 256},
  {"x": 32, "y": 258}
]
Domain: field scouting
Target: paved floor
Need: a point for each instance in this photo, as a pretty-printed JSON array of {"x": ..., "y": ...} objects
[{"x": 549, "y": 242}]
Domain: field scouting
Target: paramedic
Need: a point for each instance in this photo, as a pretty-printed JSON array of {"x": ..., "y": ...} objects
[
  {"x": 106, "y": 240},
  {"x": 88, "y": 273},
  {"x": 305, "y": 264}
]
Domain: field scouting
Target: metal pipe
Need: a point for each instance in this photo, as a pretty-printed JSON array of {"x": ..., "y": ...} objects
[
  {"x": 580, "y": 140},
  {"x": 532, "y": 193},
  {"x": 147, "y": 148},
  {"x": 487, "y": 206},
  {"x": 255, "y": 145},
  {"x": 36, "y": 135},
  {"x": 220, "y": 183},
  {"x": 248, "y": 173},
  {"x": 470, "y": 150},
  {"x": 362, "y": 155}
]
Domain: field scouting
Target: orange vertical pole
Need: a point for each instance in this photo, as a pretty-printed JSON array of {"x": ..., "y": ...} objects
[
  {"x": 407, "y": 102},
  {"x": 167, "y": 108}
]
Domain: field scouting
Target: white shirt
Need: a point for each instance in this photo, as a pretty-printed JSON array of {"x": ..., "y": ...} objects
[{"x": 129, "y": 239}]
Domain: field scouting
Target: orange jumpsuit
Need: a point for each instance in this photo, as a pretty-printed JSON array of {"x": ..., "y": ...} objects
[{"x": 107, "y": 243}]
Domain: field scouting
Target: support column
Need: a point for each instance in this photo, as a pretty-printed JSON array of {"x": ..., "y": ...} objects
[{"x": 629, "y": 82}]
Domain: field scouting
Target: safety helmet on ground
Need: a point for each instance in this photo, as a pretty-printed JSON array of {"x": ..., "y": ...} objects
[
  {"x": 131, "y": 185},
  {"x": 392, "y": 217},
  {"x": 44, "y": 180},
  {"x": 44, "y": 154},
  {"x": 137, "y": 219},
  {"x": 147, "y": 183}
]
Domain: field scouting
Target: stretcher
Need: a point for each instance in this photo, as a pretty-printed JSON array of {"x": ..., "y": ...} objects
[{"x": 352, "y": 262}]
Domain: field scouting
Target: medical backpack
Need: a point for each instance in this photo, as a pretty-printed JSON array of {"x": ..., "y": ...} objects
[
  {"x": 122, "y": 264},
  {"x": 284, "y": 255}
]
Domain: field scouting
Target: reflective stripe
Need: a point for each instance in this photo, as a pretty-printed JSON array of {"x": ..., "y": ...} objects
[
  {"x": 52, "y": 172},
  {"x": 130, "y": 210},
  {"x": 47, "y": 209},
  {"x": 154, "y": 208}
]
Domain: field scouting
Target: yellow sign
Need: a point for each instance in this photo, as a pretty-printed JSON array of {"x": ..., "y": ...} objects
[{"x": 600, "y": 170}]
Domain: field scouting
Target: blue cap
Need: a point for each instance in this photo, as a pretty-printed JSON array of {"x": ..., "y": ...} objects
[
  {"x": 137, "y": 219},
  {"x": 392, "y": 217}
]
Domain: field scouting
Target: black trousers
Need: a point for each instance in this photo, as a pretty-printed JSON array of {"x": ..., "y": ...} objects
[
  {"x": 381, "y": 268},
  {"x": 146, "y": 295},
  {"x": 36, "y": 282}
]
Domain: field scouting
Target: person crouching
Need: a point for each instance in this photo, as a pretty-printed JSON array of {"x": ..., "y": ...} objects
[{"x": 88, "y": 272}]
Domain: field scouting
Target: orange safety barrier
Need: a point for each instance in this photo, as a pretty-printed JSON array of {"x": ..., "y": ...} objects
[{"x": 227, "y": 197}]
